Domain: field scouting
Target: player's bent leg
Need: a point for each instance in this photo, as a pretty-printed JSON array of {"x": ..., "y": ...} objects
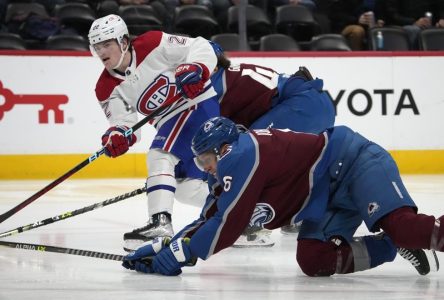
[
  {"x": 336, "y": 256},
  {"x": 412, "y": 233},
  {"x": 161, "y": 186},
  {"x": 411, "y": 230},
  {"x": 379, "y": 193}
]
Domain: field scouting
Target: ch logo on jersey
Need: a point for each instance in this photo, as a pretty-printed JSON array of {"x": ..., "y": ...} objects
[
  {"x": 155, "y": 95},
  {"x": 263, "y": 214}
]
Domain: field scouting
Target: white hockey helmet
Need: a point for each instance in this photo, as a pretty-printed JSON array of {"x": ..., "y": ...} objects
[{"x": 107, "y": 28}]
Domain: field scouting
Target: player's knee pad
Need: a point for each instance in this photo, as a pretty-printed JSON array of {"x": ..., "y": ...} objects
[
  {"x": 192, "y": 191},
  {"x": 316, "y": 258}
]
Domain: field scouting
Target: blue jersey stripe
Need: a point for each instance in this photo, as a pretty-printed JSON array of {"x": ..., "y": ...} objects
[
  {"x": 161, "y": 187},
  {"x": 238, "y": 196}
]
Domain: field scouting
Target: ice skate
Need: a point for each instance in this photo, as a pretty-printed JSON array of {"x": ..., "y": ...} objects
[
  {"x": 424, "y": 261},
  {"x": 254, "y": 237},
  {"x": 291, "y": 229},
  {"x": 159, "y": 226}
]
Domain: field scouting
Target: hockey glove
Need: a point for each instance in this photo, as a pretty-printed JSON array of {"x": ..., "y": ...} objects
[
  {"x": 170, "y": 260},
  {"x": 115, "y": 142},
  {"x": 191, "y": 78},
  {"x": 140, "y": 258}
]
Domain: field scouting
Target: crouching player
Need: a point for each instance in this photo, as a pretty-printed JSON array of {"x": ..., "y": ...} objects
[{"x": 332, "y": 181}]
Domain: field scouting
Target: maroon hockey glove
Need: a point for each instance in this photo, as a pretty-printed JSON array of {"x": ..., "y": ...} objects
[
  {"x": 115, "y": 142},
  {"x": 191, "y": 78}
]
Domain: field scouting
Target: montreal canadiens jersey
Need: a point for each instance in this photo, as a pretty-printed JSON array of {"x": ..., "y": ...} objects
[
  {"x": 268, "y": 178},
  {"x": 245, "y": 91},
  {"x": 149, "y": 79}
]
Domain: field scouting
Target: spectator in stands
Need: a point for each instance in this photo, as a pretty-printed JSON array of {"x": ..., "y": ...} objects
[
  {"x": 411, "y": 15},
  {"x": 353, "y": 18}
]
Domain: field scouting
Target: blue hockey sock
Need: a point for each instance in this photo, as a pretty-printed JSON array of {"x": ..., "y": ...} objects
[{"x": 380, "y": 249}]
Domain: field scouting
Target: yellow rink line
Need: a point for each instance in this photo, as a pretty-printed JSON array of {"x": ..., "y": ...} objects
[{"x": 134, "y": 165}]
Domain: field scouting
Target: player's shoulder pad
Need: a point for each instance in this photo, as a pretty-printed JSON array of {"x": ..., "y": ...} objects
[
  {"x": 240, "y": 155},
  {"x": 145, "y": 43},
  {"x": 105, "y": 85}
]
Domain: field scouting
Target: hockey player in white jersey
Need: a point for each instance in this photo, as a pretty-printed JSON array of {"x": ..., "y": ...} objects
[{"x": 139, "y": 76}]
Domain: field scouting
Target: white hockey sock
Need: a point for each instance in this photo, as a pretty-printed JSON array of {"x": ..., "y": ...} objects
[
  {"x": 161, "y": 183},
  {"x": 160, "y": 192}
]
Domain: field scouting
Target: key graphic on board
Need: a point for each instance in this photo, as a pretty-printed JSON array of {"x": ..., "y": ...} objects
[{"x": 50, "y": 103}]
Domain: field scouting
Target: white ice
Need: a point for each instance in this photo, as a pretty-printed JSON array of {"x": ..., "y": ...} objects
[{"x": 269, "y": 273}]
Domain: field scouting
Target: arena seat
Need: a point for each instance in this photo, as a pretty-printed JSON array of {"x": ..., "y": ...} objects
[
  {"x": 196, "y": 20},
  {"x": 140, "y": 18},
  {"x": 329, "y": 42},
  {"x": 11, "y": 41},
  {"x": 395, "y": 39},
  {"x": 79, "y": 16},
  {"x": 278, "y": 42},
  {"x": 432, "y": 39},
  {"x": 67, "y": 42},
  {"x": 296, "y": 21},
  {"x": 228, "y": 41}
]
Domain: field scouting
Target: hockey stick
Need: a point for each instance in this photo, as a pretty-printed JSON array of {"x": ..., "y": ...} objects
[
  {"x": 87, "y": 161},
  {"x": 80, "y": 252},
  {"x": 72, "y": 213},
  {"x": 46, "y": 248}
]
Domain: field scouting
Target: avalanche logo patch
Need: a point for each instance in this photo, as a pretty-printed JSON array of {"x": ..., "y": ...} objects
[
  {"x": 263, "y": 214},
  {"x": 155, "y": 95},
  {"x": 372, "y": 208}
]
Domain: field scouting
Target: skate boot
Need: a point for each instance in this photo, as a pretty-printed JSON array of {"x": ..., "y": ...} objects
[
  {"x": 254, "y": 237},
  {"x": 291, "y": 229},
  {"x": 158, "y": 226},
  {"x": 424, "y": 261}
]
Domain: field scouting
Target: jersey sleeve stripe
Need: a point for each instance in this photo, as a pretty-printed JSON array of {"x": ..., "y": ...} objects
[
  {"x": 310, "y": 180},
  {"x": 234, "y": 203}
]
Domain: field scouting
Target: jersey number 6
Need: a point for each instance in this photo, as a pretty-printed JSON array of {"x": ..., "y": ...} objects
[{"x": 227, "y": 183}]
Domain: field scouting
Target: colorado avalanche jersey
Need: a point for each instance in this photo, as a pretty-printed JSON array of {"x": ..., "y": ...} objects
[
  {"x": 245, "y": 92},
  {"x": 150, "y": 78},
  {"x": 268, "y": 178}
]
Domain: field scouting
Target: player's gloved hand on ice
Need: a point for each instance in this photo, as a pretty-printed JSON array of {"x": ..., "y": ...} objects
[
  {"x": 140, "y": 259},
  {"x": 115, "y": 142},
  {"x": 170, "y": 259},
  {"x": 191, "y": 78}
]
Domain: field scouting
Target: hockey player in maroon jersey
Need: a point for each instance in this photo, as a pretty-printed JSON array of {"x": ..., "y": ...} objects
[
  {"x": 258, "y": 97},
  {"x": 333, "y": 181}
]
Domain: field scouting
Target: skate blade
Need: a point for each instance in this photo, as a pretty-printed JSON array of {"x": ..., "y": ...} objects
[{"x": 433, "y": 260}]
